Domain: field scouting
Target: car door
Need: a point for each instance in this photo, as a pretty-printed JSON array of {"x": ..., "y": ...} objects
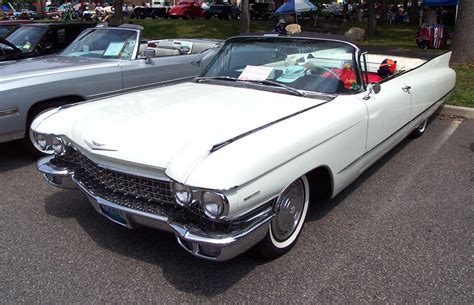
[
  {"x": 388, "y": 111},
  {"x": 159, "y": 70}
]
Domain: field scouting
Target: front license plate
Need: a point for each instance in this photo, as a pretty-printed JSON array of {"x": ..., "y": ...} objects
[{"x": 113, "y": 214}]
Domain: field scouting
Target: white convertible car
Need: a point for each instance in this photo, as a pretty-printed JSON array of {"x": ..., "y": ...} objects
[{"x": 233, "y": 159}]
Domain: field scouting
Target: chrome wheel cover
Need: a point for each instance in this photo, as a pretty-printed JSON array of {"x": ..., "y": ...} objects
[{"x": 289, "y": 208}]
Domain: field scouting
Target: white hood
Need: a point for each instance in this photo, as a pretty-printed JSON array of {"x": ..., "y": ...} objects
[{"x": 175, "y": 125}]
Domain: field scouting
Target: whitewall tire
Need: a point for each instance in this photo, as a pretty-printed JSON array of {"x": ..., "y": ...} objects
[{"x": 291, "y": 208}]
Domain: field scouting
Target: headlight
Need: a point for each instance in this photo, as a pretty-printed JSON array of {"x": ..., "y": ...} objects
[
  {"x": 58, "y": 146},
  {"x": 214, "y": 205},
  {"x": 182, "y": 193},
  {"x": 41, "y": 140}
]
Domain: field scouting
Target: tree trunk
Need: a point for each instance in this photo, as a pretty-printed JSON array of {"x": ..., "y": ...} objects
[
  {"x": 413, "y": 13},
  {"x": 463, "y": 41},
  {"x": 371, "y": 23},
  {"x": 244, "y": 17},
  {"x": 383, "y": 13},
  {"x": 40, "y": 8},
  {"x": 118, "y": 12}
]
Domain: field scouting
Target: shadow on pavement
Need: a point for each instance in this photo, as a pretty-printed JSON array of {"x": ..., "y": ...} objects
[{"x": 13, "y": 156}]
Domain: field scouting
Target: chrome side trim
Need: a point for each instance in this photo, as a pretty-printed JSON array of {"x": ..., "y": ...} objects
[
  {"x": 229, "y": 141},
  {"x": 10, "y": 112}
]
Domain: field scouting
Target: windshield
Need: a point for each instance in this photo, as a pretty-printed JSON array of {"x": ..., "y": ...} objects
[
  {"x": 103, "y": 43},
  {"x": 26, "y": 38},
  {"x": 302, "y": 64}
]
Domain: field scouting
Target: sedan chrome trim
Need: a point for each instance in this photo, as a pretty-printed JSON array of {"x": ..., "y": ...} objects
[{"x": 9, "y": 112}]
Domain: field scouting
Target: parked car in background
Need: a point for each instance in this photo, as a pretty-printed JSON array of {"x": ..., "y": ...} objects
[
  {"x": 7, "y": 26},
  {"x": 25, "y": 11},
  {"x": 101, "y": 61},
  {"x": 261, "y": 10},
  {"x": 52, "y": 12},
  {"x": 154, "y": 9},
  {"x": 186, "y": 9},
  {"x": 222, "y": 11},
  {"x": 32, "y": 40},
  {"x": 234, "y": 159}
]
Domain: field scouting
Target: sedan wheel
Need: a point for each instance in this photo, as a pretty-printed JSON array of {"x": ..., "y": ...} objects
[{"x": 290, "y": 208}]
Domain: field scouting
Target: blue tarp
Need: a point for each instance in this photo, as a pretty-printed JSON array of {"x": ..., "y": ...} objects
[
  {"x": 5, "y": 8},
  {"x": 440, "y": 2}
]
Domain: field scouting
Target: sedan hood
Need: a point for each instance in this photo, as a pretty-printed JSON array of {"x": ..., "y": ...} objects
[
  {"x": 40, "y": 66},
  {"x": 177, "y": 124}
]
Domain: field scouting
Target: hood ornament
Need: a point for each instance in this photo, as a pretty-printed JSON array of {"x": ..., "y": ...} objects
[{"x": 98, "y": 146}]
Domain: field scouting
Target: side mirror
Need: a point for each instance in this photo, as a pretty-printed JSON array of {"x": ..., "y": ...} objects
[
  {"x": 148, "y": 54},
  {"x": 376, "y": 88},
  {"x": 184, "y": 50},
  {"x": 372, "y": 88}
]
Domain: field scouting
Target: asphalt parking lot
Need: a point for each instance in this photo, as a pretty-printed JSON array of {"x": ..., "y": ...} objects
[{"x": 402, "y": 232}]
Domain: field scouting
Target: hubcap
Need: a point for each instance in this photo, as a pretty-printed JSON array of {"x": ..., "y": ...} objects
[{"x": 289, "y": 208}]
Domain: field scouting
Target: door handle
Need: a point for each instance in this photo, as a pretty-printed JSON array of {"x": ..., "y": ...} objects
[
  {"x": 196, "y": 62},
  {"x": 406, "y": 89}
]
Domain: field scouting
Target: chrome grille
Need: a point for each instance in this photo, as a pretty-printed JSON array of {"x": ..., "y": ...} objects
[
  {"x": 135, "y": 192},
  {"x": 118, "y": 182}
]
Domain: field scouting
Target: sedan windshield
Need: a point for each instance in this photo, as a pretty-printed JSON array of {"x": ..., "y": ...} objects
[
  {"x": 26, "y": 38},
  {"x": 303, "y": 65},
  {"x": 103, "y": 43}
]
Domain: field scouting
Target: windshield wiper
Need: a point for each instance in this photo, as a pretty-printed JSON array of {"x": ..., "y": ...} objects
[
  {"x": 279, "y": 85},
  {"x": 207, "y": 78}
]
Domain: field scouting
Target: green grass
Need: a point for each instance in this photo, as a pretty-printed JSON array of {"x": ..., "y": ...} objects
[
  {"x": 464, "y": 93},
  {"x": 214, "y": 28}
]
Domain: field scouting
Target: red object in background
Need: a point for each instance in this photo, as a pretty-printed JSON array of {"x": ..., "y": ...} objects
[
  {"x": 348, "y": 77},
  {"x": 186, "y": 10}
]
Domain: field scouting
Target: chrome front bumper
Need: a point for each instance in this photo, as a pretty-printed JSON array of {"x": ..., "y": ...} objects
[{"x": 210, "y": 245}]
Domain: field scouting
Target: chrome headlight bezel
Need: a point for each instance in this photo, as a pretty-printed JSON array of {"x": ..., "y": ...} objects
[
  {"x": 208, "y": 199},
  {"x": 203, "y": 198},
  {"x": 42, "y": 142},
  {"x": 58, "y": 145},
  {"x": 182, "y": 193},
  {"x": 49, "y": 143}
]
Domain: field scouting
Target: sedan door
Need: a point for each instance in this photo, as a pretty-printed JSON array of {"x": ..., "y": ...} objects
[{"x": 160, "y": 70}]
